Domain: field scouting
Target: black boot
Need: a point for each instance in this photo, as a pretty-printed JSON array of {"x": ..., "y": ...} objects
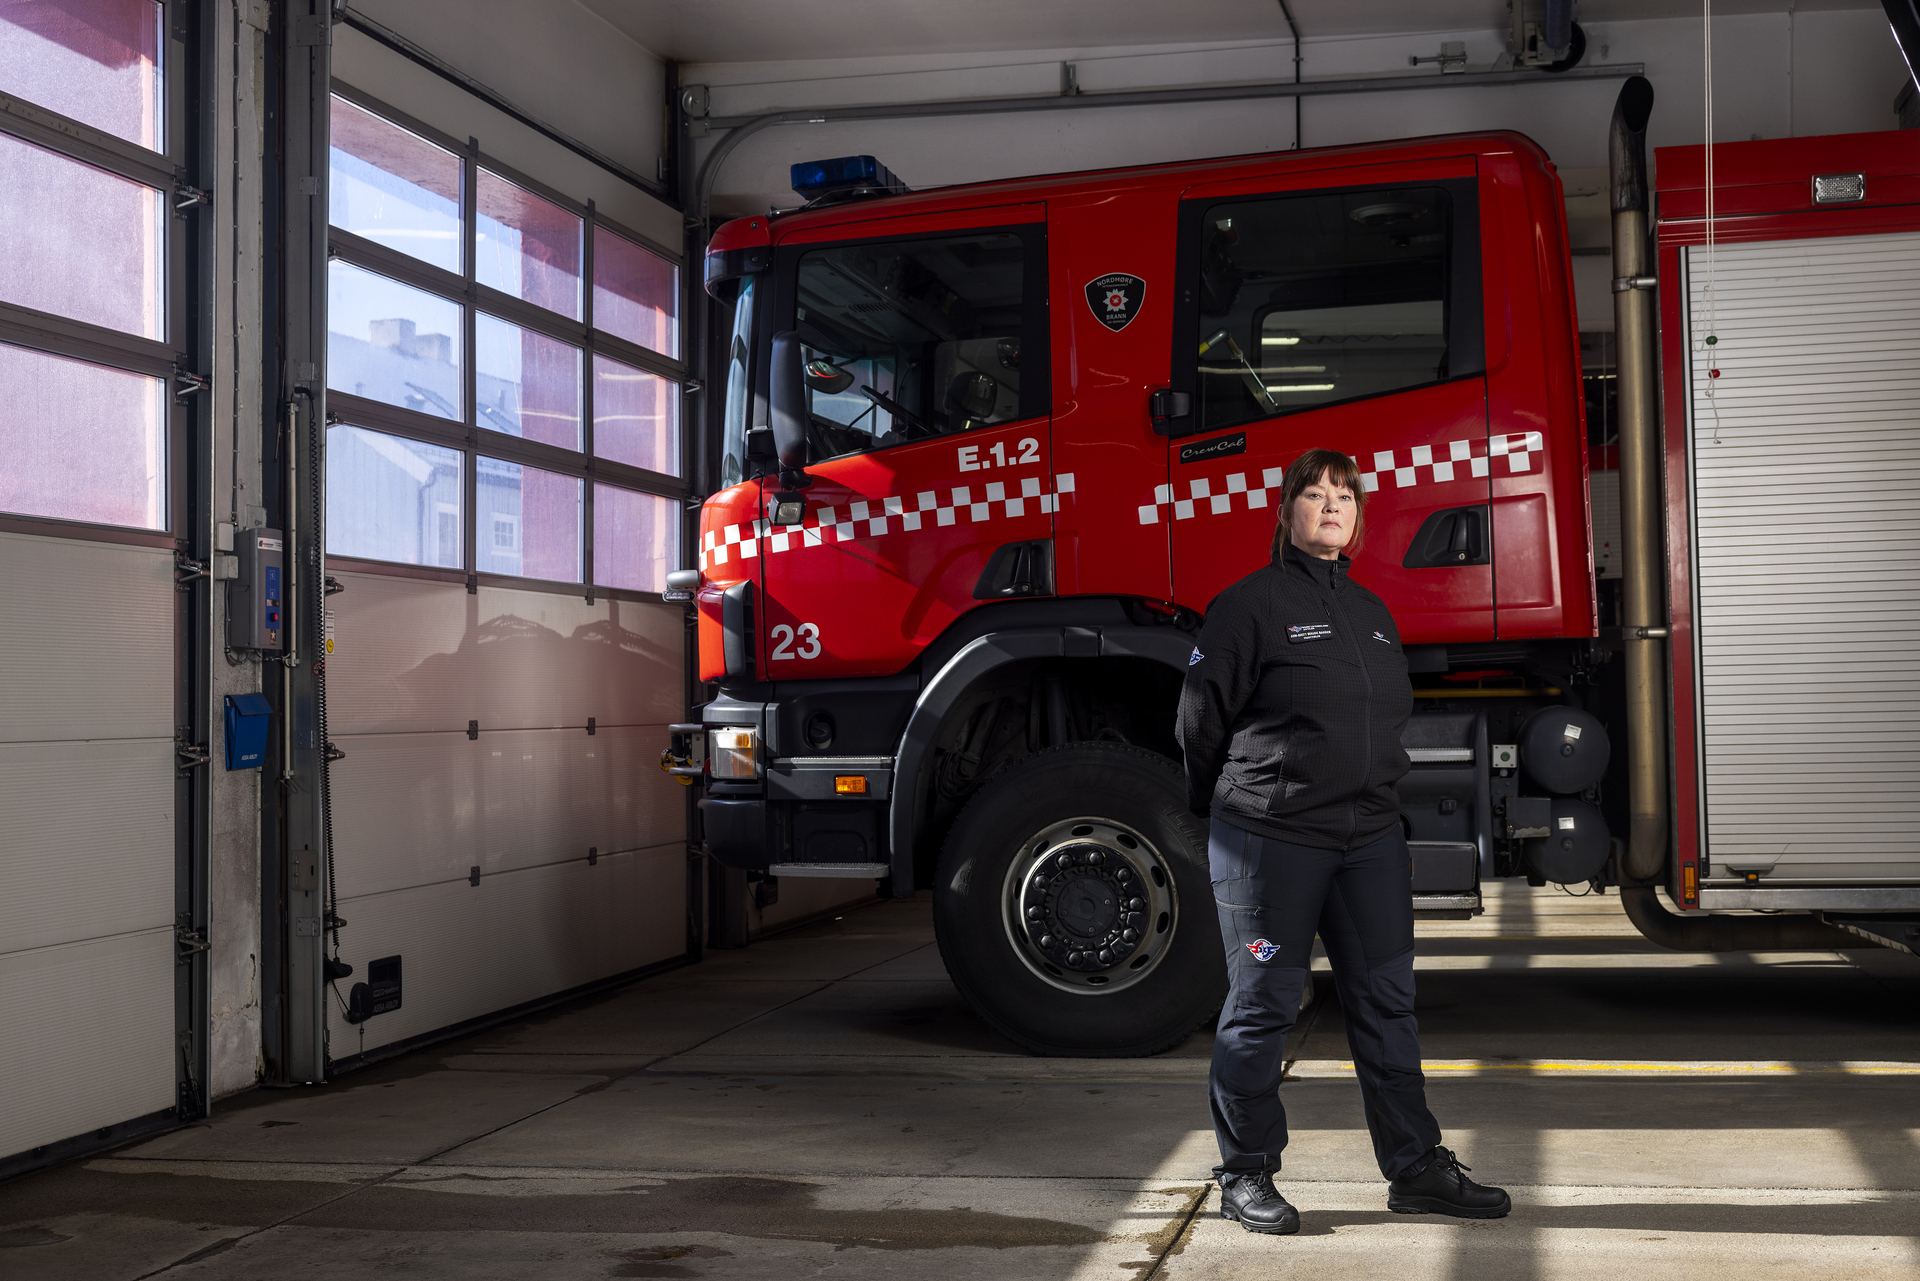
[
  {"x": 1442, "y": 1187},
  {"x": 1252, "y": 1200}
]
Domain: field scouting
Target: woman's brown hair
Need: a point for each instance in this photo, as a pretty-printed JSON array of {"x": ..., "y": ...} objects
[{"x": 1310, "y": 469}]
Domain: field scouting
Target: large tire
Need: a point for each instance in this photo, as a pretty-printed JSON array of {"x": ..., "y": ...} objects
[{"x": 1045, "y": 874}]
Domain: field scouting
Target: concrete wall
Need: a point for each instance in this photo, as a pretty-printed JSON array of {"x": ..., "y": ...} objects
[{"x": 238, "y": 413}]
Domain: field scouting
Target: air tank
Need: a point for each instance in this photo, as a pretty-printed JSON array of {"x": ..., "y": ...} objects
[
  {"x": 1575, "y": 847},
  {"x": 1564, "y": 749}
]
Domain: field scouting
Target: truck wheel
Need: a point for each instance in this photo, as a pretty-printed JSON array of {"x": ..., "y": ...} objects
[{"x": 1073, "y": 907}]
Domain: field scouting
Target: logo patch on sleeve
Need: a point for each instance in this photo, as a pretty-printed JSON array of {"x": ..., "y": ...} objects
[
  {"x": 1300, "y": 633},
  {"x": 1382, "y": 638},
  {"x": 1262, "y": 950},
  {"x": 1197, "y": 656}
]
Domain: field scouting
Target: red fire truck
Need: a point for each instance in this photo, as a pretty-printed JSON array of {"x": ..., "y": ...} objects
[{"x": 990, "y": 451}]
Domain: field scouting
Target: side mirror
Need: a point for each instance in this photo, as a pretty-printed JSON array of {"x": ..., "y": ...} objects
[{"x": 787, "y": 390}]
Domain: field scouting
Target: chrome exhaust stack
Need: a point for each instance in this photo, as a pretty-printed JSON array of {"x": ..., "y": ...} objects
[{"x": 1642, "y": 611}]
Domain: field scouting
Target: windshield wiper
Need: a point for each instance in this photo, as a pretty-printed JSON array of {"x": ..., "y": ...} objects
[{"x": 895, "y": 408}]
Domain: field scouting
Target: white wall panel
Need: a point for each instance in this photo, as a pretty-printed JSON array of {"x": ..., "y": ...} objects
[
  {"x": 396, "y": 648},
  {"x": 87, "y": 631},
  {"x": 88, "y": 1038},
  {"x": 469, "y": 950},
  {"x": 545, "y": 659},
  {"x": 412, "y": 654},
  {"x": 1809, "y": 633},
  {"x": 1780, "y": 75},
  {"x": 414, "y": 809},
  {"x": 86, "y": 844}
]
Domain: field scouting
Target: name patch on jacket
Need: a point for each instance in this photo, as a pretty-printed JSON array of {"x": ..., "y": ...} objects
[{"x": 1300, "y": 633}]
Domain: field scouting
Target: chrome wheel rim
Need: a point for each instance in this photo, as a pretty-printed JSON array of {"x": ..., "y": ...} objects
[{"x": 1089, "y": 906}]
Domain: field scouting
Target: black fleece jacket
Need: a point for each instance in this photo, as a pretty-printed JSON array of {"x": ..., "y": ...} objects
[{"x": 1294, "y": 702}]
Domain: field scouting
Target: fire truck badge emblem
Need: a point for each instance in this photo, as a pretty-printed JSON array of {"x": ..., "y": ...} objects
[
  {"x": 1262, "y": 950},
  {"x": 1115, "y": 299}
]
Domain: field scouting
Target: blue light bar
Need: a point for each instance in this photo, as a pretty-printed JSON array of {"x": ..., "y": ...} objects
[{"x": 814, "y": 178}]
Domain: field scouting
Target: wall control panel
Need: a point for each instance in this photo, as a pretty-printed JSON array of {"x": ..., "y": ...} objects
[{"x": 256, "y": 605}]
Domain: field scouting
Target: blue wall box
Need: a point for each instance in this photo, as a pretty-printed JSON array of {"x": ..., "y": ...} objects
[{"x": 248, "y": 716}]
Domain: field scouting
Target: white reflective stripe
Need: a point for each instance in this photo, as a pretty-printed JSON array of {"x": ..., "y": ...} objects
[
  {"x": 1436, "y": 755},
  {"x": 874, "y": 517}
]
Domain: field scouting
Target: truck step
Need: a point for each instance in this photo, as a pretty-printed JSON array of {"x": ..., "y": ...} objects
[
  {"x": 849, "y": 871},
  {"x": 1446, "y": 907}
]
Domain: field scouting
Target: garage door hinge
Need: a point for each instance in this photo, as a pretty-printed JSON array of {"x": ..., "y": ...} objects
[
  {"x": 188, "y": 941},
  {"x": 189, "y": 755},
  {"x": 186, "y": 570},
  {"x": 186, "y": 197}
]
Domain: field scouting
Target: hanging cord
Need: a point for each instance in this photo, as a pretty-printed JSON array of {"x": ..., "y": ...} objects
[
  {"x": 1704, "y": 350},
  {"x": 316, "y": 577}
]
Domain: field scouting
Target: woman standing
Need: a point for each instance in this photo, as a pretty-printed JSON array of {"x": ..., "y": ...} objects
[{"x": 1290, "y": 719}]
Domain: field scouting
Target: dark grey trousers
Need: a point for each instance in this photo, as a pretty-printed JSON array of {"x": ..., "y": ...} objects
[{"x": 1273, "y": 897}]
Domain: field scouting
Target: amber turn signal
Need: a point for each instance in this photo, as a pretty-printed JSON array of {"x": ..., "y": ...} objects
[{"x": 850, "y": 784}]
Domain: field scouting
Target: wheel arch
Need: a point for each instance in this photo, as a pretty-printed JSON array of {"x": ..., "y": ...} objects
[{"x": 975, "y": 662}]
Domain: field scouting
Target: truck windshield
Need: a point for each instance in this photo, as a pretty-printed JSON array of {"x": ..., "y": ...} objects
[
  {"x": 909, "y": 339},
  {"x": 733, "y": 450}
]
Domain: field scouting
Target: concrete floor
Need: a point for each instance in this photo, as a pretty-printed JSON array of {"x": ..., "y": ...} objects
[{"x": 823, "y": 1103}]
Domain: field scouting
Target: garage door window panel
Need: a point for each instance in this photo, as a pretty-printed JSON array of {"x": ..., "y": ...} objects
[
  {"x": 528, "y": 521},
  {"x": 636, "y": 539},
  {"x": 82, "y": 442},
  {"x": 393, "y": 343},
  {"x": 526, "y": 384},
  {"x": 95, "y": 61},
  {"x": 394, "y": 188},
  {"x": 636, "y": 417},
  {"x": 393, "y": 499},
  {"x": 636, "y": 294},
  {"x": 527, "y": 247},
  {"x": 80, "y": 242}
]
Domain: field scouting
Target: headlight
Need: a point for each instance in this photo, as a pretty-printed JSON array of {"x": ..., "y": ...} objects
[{"x": 733, "y": 753}]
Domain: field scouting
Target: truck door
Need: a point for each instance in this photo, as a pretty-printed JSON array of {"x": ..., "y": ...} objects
[
  {"x": 928, "y": 446},
  {"x": 1337, "y": 311}
]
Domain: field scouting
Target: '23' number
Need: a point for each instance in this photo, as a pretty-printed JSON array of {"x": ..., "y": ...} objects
[{"x": 808, "y": 635}]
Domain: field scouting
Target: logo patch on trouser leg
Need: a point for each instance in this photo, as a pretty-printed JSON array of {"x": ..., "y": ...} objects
[{"x": 1262, "y": 950}]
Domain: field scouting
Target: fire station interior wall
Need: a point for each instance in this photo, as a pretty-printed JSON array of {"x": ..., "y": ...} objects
[
  {"x": 87, "y": 846},
  {"x": 1840, "y": 69},
  {"x": 421, "y": 806},
  {"x": 619, "y": 116}
]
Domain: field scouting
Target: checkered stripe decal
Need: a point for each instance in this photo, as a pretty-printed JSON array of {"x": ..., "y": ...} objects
[
  {"x": 1201, "y": 500},
  {"x": 1518, "y": 449},
  {"x": 870, "y": 518},
  {"x": 1456, "y": 460}
]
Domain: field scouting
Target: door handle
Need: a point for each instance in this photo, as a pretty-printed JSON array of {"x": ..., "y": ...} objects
[{"x": 1165, "y": 405}]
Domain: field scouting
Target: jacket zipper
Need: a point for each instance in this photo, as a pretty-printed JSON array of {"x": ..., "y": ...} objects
[{"x": 1366, "y": 678}]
